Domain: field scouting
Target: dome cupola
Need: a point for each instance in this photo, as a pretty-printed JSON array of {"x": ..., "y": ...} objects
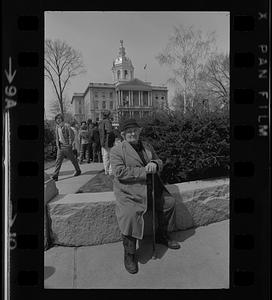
[{"x": 122, "y": 68}]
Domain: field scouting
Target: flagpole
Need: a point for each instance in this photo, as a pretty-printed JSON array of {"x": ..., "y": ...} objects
[{"x": 145, "y": 72}]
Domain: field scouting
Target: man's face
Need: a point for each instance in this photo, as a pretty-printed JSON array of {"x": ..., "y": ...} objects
[
  {"x": 132, "y": 135},
  {"x": 59, "y": 120}
]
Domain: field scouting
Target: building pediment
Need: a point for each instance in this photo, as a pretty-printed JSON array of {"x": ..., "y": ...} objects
[{"x": 134, "y": 84}]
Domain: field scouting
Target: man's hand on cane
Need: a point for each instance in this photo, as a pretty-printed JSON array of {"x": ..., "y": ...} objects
[{"x": 151, "y": 168}]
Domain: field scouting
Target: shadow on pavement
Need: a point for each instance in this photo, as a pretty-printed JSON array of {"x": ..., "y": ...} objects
[
  {"x": 60, "y": 179},
  {"x": 145, "y": 250},
  {"x": 48, "y": 271},
  {"x": 181, "y": 236},
  {"x": 62, "y": 173},
  {"x": 92, "y": 172}
]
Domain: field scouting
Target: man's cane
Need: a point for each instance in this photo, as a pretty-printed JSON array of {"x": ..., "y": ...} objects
[
  {"x": 153, "y": 217},
  {"x": 151, "y": 196}
]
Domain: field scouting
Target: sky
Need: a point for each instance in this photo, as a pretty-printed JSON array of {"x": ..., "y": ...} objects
[{"x": 97, "y": 36}]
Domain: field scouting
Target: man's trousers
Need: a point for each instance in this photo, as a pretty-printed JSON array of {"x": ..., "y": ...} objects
[
  {"x": 65, "y": 151},
  {"x": 106, "y": 160},
  {"x": 165, "y": 208},
  {"x": 84, "y": 150}
]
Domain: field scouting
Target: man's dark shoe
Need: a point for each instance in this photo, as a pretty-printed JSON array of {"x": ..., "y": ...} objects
[
  {"x": 131, "y": 263},
  {"x": 164, "y": 240},
  {"x": 77, "y": 173}
]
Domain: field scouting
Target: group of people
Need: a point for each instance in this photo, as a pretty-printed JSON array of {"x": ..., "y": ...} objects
[
  {"x": 89, "y": 141},
  {"x": 128, "y": 161},
  {"x": 86, "y": 143}
]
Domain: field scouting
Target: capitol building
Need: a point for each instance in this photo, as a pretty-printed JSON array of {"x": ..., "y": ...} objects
[{"x": 126, "y": 97}]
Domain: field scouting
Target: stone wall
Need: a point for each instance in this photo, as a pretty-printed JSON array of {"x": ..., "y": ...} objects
[{"x": 89, "y": 218}]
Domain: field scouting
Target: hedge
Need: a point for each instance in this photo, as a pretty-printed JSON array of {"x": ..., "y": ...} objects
[{"x": 192, "y": 147}]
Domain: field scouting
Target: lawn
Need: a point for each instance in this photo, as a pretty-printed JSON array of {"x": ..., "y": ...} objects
[{"x": 99, "y": 183}]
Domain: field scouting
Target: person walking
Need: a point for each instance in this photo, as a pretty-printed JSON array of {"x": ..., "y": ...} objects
[
  {"x": 131, "y": 160},
  {"x": 76, "y": 143},
  {"x": 64, "y": 140},
  {"x": 107, "y": 138},
  {"x": 84, "y": 143},
  {"x": 89, "y": 127},
  {"x": 95, "y": 138}
]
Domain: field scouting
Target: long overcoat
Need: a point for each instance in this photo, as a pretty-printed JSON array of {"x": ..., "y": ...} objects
[{"x": 130, "y": 186}]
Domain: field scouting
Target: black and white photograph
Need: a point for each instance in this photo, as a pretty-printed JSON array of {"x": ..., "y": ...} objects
[{"x": 136, "y": 149}]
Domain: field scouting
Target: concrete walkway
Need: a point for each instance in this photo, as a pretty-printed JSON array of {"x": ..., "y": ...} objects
[
  {"x": 67, "y": 183},
  {"x": 201, "y": 263}
]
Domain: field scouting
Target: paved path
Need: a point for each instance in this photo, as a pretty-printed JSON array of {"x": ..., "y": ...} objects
[
  {"x": 67, "y": 183},
  {"x": 201, "y": 263}
]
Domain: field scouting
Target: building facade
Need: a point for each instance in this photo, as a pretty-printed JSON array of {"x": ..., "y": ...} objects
[{"x": 125, "y": 97}]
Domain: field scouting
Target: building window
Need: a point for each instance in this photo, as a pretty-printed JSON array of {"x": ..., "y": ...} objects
[
  {"x": 156, "y": 97},
  {"x": 111, "y": 94},
  {"x": 97, "y": 117},
  {"x": 162, "y": 97},
  {"x": 104, "y": 104},
  {"x": 125, "y": 98},
  {"x": 136, "y": 114},
  {"x": 118, "y": 74},
  {"x": 95, "y": 94},
  {"x": 145, "y": 98},
  {"x": 103, "y": 94},
  {"x": 96, "y": 104},
  {"x": 111, "y": 104},
  {"x": 135, "y": 101},
  {"x": 146, "y": 114},
  {"x": 126, "y": 74},
  {"x": 126, "y": 114}
]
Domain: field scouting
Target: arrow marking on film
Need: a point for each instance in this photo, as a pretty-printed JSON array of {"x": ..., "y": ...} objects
[{"x": 9, "y": 74}]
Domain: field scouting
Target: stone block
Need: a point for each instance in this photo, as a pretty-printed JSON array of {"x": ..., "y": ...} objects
[
  {"x": 84, "y": 219},
  {"x": 50, "y": 191},
  {"x": 89, "y": 218},
  {"x": 200, "y": 202}
]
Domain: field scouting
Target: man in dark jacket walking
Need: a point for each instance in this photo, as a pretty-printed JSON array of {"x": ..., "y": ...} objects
[
  {"x": 64, "y": 140},
  {"x": 107, "y": 138},
  {"x": 95, "y": 139},
  {"x": 90, "y": 126}
]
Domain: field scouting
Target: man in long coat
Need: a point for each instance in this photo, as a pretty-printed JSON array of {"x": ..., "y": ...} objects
[{"x": 131, "y": 161}]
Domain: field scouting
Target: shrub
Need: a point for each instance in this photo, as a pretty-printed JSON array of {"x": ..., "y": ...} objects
[
  {"x": 50, "y": 149},
  {"x": 192, "y": 147}
]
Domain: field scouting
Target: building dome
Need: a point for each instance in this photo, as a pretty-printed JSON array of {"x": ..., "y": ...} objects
[
  {"x": 122, "y": 68},
  {"x": 121, "y": 60}
]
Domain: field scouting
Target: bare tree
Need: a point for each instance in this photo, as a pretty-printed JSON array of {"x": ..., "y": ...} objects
[
  {"x": 216, "y": 77},
  {"x": 55, "y": 109},
  {"x": 62, "y": 63},
  {"x": 186, "y": 53}
]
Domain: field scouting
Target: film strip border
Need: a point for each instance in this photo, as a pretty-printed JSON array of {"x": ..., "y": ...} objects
[
  {"x": 250, "y": 208},
  {"x": 249, "y": 151}
]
